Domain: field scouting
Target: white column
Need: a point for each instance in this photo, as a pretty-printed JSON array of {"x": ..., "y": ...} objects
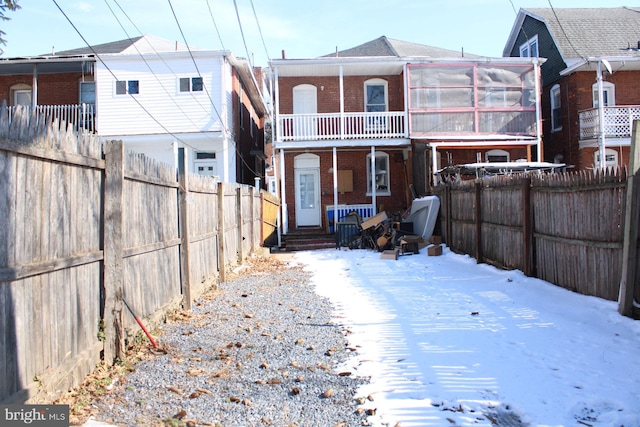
[
  {"x": 283, "y": 198},
  {"x": 335, "y": 190},
  {"x": 538, "y": 111},
  {"x": 341, "y": 104},
  {"x": 373, "y": 180}
]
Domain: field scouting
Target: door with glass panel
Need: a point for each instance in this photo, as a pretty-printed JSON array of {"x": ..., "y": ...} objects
[{"x": 307, "y": 187}]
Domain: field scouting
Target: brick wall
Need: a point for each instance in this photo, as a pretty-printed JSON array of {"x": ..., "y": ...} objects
[
  {"x": 355, "y": 160},
  {"x": 576, "y": 91},
  {"x": 53, "y": 89},
  {"x": 328, "y": 91}
]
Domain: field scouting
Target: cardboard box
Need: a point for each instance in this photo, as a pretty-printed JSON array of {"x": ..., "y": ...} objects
[
  {"x": 435, "y": 240},
  {"x": 410, "y": 238},
  {"x": 390, "y": 254},
  {"x": 374, "y": 220},
  {"x": 409, "y": 244},
  {"x": 434, "y": 250}
]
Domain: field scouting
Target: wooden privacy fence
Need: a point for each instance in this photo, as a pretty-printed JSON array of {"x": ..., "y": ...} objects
[
  {"x": 563, "y": 228},
  {"x": 83, "y": 232}
]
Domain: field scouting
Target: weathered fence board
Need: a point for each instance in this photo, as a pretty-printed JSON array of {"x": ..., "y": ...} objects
[
  {"x": 564, "y": 228},
  {"x": 82, "y": 232}
]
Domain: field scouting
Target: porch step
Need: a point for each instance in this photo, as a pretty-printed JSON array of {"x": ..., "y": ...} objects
[{"x": 306, "y": 240}]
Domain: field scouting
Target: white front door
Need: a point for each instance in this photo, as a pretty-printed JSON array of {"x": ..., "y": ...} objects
[{"x": 307, "y": 186}]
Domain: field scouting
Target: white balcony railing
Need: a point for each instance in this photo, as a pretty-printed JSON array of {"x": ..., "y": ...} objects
[
  {"x": 618, "y": 121},
  {"x": 81, "y": 116},
  {"x": 316, "y": 127}
]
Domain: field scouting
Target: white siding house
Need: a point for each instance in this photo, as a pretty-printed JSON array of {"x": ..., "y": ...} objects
[{"x": 159, "y": 101}]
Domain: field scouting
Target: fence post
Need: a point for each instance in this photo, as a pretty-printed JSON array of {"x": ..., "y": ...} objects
[
  {"x": 183, "y": 219},
  {"x": 221, "y": 233},
  {"x": 113, "y": 268},
  {"x": 448, "y": 218},
  {"x": 239, "y": 224},
  {"x": 628, "y": 277},
  {"x": 527, "y": 229},
  {"x": 478, "y": 220},
  {"x": 253, "y": 218}
]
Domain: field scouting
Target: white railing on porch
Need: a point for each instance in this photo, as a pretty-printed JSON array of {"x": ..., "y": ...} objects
[
  {"x": 305, "y": 127},
  {"x": 81, "y": 116},
  {"x": 618, "y": 121}
]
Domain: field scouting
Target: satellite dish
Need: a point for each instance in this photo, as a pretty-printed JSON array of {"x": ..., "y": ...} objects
[{"x": 607, "y": 65}]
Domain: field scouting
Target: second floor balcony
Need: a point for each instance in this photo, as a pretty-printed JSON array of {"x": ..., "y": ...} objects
[
  {"x": 617, "y": 122},
  {"x": 339, "y": 126},
  {"x": 80, "y": 116}
]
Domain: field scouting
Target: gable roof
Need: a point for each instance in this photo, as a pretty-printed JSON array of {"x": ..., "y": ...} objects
[
  {"x": 581, "y": 33},
  {"x": 384, "y": 46},
  {"x": 143, "y": 44}
]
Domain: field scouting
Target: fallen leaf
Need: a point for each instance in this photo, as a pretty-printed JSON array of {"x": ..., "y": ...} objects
[
  {"x": 176, "y": 390},
  {"x": 194, "y": 395},
  {"x": 180, "y": 415},
  {"x": 295, "y": 390},
  {"x": 274, "y": 381},
  {"x": 328, "y": 393}
]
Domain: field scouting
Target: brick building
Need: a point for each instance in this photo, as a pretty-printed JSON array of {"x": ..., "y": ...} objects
[
  {"x": 366, "y": 128},
  {"x": 590, "y": 54}
]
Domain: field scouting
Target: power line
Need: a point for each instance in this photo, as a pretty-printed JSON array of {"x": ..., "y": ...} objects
[
  {"x": 260, "y": 31},
  {"x": 235, "y": 4},
  {"x": 212, "y": 104},
  {"x": 214, "y": 24},
  {"x": 148, "y": 65},
  {"x": 204, "y": 108}
]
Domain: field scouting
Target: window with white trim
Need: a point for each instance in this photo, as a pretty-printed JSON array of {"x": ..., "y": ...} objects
[
  {"x": 22, "y": 97},
  {"x": 556, "y": 104},
  {"x": 608, "y": 94},
  {"x": 87, "y": 92},
  {"x": 529, "y": 49},
  {"x": 375, "y": 95},
  {"x": 127, "y": 87},
  {"x": 205, "y": 164},
  {"x": 610, "y": 158},
  {"x": 381, "y": 173},
  {"x": 190, "y": 84}
]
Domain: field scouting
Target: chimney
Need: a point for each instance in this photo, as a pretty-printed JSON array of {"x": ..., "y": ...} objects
[{"x": 284, "y": 54}]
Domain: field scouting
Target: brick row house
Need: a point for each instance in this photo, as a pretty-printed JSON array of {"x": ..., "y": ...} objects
[
  {"x": 157, "y": 96},
  {"x": 366, "y": 128},
  {"x": 591, "y": 55}
]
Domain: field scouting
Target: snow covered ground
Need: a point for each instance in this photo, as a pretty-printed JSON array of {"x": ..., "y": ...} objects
[{"x": 448, "y": 342}]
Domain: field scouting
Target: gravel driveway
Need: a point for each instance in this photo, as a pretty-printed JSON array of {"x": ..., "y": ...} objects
[{"x": 260, "y": 350}]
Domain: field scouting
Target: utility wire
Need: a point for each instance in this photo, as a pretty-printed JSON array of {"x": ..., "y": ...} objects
[
  {"x": 212, "y": 104},
  {"x": 214, "y": 24},
  {"x": 204, "y": 108},
  {"x": 260, "y": 31},
  {"x": 563, "y": 31},
  {"x": 116, "y": 78},
  {"x": 166, "y": 91},
  {"x": 235, "y": 4}
]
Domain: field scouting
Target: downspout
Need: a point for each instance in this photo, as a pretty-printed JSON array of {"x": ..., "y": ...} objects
[
  {"x": 34, "y": 91},
  {"x": 538, "y": 111}
]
